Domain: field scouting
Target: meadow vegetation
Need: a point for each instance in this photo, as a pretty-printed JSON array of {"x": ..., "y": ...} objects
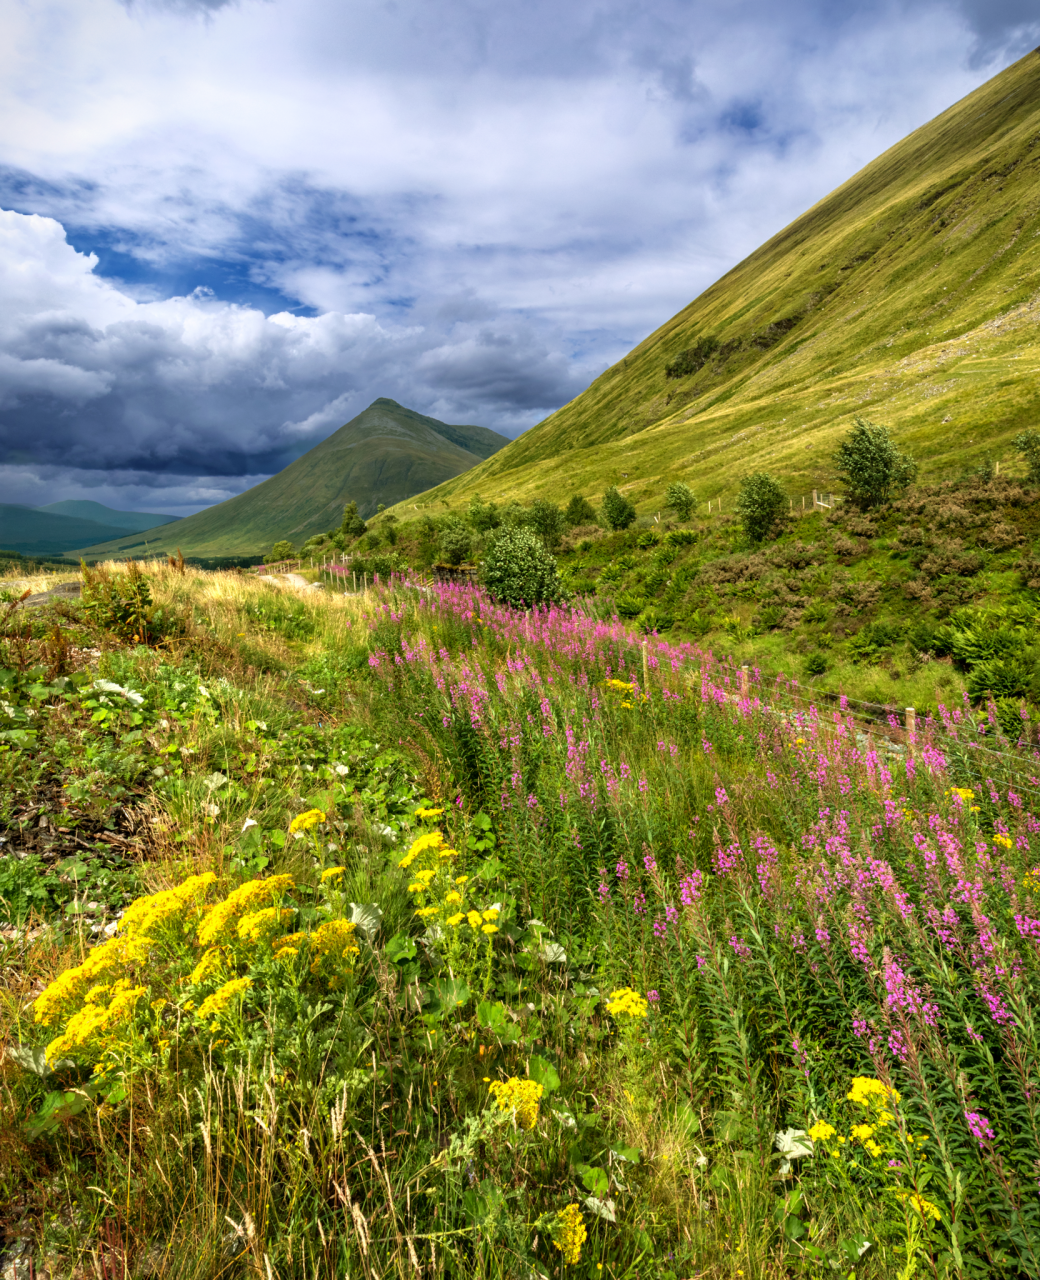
[{"x": 402, "y": 933}]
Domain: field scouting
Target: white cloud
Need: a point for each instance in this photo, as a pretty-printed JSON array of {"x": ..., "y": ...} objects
[{"x": 485, "y": 204}]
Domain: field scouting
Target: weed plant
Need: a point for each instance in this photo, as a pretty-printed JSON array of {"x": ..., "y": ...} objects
[{"x": 646, "y": 966}]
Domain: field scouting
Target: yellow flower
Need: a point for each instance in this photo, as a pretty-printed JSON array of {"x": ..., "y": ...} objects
[
  {"x": 216, "y": 1004},
  {"x": 430, "y": 840},
  {"x": 489, "y": 929},
  {"x": 461, "y": 879},
  {"x": 212, "y": 962},
  {"x": 452, "y": 898},
  {"x": 628, "y": 1002},
  {"x": 305, "y": 821},
  {"x": 519, "y": 1096},
  {"x": 492, "y": 913},
  {"x": 456, "y": 919},
  {"x": 425, "y": 814},
  {"x": 924, "y": 1207},
  {"x": 872, "y": 1147},
  {"x": 569, "y": 1234},
  {"x": 1003, "y": 840},
  {"x": 286, "y": 953},
  {"x": 861, "y": 1132},
  {"x": 821, "y": 1131},
  {"x": 332, "y": 873},
  {"x": 334, "y": 939},
  {"x": 251, "y": 896},
  {"x": 425, "y": 912},
  {"x": 261, "y": 924},
  {"x": 865, "y": 1089}
]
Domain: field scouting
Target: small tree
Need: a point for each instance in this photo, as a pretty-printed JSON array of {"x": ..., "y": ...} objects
[
  {"x": 680, "y": 499},
  {"x": 1027, "y": 443},
  {"x": 546, "y": 519},
  {"x": 520, "y": 572},
  {"x": 760, "y": 505},
  {"x": 353, "y": 526},
  {"x": 283, "y": 550},
  {"x": 870, "y": 466},
  {"x": 617, "y": 510},
  {"x": 483, "y": 516},
  {"x": 579, "y": 511},
  {"x": 455, "y": 541}
]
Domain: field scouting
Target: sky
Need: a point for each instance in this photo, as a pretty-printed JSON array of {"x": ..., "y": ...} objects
[{"x": 226, "y": 226}]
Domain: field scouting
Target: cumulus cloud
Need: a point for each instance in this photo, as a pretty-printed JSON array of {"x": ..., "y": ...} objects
[{"x": 228, "y": 236}]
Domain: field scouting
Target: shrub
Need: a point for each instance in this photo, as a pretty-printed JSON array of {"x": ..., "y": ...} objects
[
  {"x": 693, "y": 358},
  {"x": 760, "y": 505},
  {"x": 630, "y": 604},
  {"x": 680, "y": 499},
  {"x": 617, "y": 510},
  {"x": 1027, "y": 443},
  {"x": 816, "y": 664},
  {"x": 680, "y": 538},
  {"x": 1002, "y": 677},
  {"x": 870, "y": 466},
  {"x": 547, "y": 520},
  {"x": 352, "y": 526},
  {"x": 283, "y": 550},
  {"x": 455, "y": 541},
  {"x": 122, "y": 603},
  {"x": 579, "y": 511},
  {"x": 519, "y": 571},
  {"x": 483, "y": 516}
]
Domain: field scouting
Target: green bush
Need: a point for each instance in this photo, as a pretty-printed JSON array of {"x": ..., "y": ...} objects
[
  {"x": 547, "y": 520},
  {"x": 760, "y": 505},
  {"x": 816, "y": 664},
  {"x": 693, "y": 358},
  {"x": 455, "y": 541},
  {"x": 353, "y": 526},
  {"x": 680, "y": 538},
  {"x": 680, "y": 499},
  {"x": 1027, "y": 443},
  {"x": 283, "y": 550},
  {"x": 520, "y": 572},
  {"x": 483, "y": 516},
  {"x": 870, "y": 466},
  {"x": 617, "y": 510},
  {"x": 630, "y": 604},
  {"x": 1002, "y": 677},
  {"x": 579, "y": 511},
  {"x": 122, "y": 603}
]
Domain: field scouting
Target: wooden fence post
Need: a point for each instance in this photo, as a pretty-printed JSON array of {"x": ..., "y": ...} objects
[{"x": 744, "y": 683}]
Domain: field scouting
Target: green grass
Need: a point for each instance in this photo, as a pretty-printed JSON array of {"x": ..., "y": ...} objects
[{"x": 910, "y": 293}]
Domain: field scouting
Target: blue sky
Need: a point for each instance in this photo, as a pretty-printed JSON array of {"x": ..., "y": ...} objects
[{"x": 227, "y": 227}]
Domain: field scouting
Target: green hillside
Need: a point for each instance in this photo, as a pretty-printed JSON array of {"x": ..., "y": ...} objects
[
  {"x": 910, "y": 295},
  {"x": 384, "y": 455},
  {"x": 34, "y": 532},
  {"x": 132, "y": 521}
]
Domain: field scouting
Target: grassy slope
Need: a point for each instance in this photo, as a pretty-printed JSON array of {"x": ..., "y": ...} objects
[
  {"x": 34, "y": 532},
  {"x": 913, "y": 290},
  {"x": 385, "y": 454},
  {"x": 133, "y": 521}
]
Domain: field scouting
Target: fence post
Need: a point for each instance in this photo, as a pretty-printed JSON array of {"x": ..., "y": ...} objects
[
  {"x": 744, "y": 683},
  {"x": 911, "y": 728},
  {"x": 646, "y": 670},
  {"x": 814, "y": 504}
]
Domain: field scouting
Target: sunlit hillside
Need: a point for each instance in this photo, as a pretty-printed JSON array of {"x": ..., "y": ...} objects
[{"x": 908, "y": 295}]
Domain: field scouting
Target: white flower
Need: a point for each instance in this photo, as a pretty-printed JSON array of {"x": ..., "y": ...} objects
[
  {"x": 341, "y": 769},
  {"x": 249, "y": 822}
]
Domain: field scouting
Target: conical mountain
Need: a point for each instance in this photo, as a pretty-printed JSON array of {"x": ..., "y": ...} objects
[
  {"x": 910, "y": 295},
  {"x": 384, "y": 455}
]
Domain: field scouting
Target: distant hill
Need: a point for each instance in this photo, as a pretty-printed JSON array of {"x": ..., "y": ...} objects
[
  {"x": 384, "y": 455},
  {"x": 134, "y": 521},
  {"x": 42, "y": 533},
  {"x": 909, "y": 295}
]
